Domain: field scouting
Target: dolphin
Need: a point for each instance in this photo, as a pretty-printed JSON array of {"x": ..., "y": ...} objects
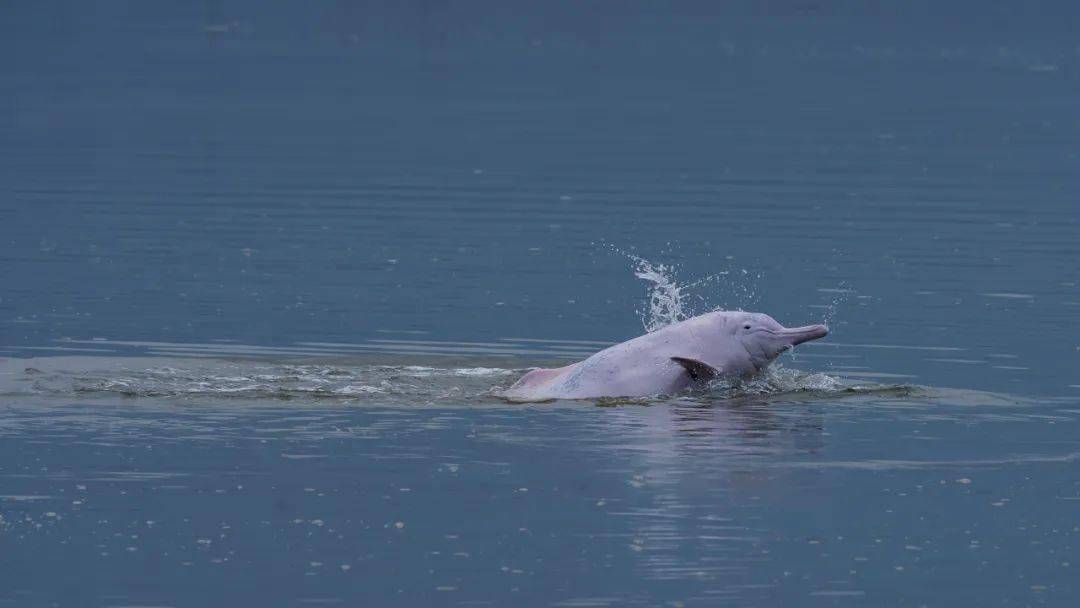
[{"x": 692, "y": 352}]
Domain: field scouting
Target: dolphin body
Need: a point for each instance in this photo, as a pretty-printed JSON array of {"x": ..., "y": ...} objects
[{"x": 668, "y": 360}]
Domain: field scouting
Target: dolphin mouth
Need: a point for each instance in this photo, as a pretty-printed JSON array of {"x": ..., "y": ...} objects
[{"x": 798, "y": 335}]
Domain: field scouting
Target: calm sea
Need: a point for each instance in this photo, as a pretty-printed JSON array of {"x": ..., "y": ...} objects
[{"x": 265, "y": 269}]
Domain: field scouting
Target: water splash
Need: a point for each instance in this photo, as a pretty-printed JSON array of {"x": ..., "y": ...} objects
[
  {"x": 838, "y": 296},
  {"x": 776, "y": 380},
  {"x": 406, "y": 385},
  {"x": 670, "y": 300},
  {"x": 665, "y": 304}
]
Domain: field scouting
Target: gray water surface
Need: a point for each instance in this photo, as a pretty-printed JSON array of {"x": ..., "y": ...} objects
[{"x": 265, "y": 270}]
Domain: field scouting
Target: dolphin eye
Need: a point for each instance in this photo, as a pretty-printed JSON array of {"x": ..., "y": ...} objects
[{"x": 747, "y": 326}]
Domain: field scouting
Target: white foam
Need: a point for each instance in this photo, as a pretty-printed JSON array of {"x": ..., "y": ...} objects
[{"x": 362, "y": 389}]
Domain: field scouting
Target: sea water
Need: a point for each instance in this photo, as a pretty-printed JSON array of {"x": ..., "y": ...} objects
[{"x": 265, "y": 271}]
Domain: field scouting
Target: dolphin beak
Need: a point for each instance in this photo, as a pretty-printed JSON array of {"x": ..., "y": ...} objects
[{"x": 798, "y": 335}]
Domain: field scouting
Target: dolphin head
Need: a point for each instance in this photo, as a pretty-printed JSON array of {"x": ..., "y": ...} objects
[{"x": 765, "y": 339}]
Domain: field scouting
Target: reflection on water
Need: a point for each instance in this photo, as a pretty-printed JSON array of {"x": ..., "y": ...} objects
[
  {"x": 414, "y": 480},
  {"x": 849, "y": 490}
]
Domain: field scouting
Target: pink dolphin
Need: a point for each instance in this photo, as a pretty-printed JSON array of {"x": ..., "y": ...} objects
[{"x": 668, "y": 360}]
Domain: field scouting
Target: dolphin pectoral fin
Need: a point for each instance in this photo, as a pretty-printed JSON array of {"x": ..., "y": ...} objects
[{"x": 698, "y": 370}]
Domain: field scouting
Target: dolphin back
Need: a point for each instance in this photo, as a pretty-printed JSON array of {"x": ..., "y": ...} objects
[{"x": 538, "y": 385}]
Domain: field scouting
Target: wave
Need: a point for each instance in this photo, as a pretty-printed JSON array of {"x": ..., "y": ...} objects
[{"x": 344, "y": 381}]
